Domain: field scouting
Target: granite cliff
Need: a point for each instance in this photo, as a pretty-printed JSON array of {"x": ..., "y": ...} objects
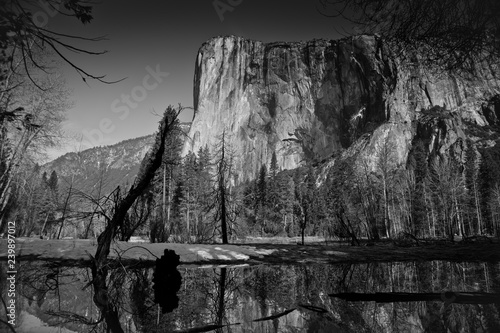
[{"x": 312, "y": 100}]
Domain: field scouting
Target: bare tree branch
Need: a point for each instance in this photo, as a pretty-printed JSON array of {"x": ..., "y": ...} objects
[{"x": 456, "y": 35}]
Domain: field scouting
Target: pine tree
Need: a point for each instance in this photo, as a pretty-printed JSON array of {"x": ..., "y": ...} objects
[
  {"x": 273, "y": 168},
  {"x": 287, "y": 198},
  {"x": 275, "y": 200},
  {"x": 177, "y": 201},
  {"x": 191, "y": 192},
  {"x": 248, "y": 202},
  {"x": 165, "y": 183},
  {"x": 53, "y": 181},
  {"x": 205, "y": 185},
  {"x": 262, "y": 186}
]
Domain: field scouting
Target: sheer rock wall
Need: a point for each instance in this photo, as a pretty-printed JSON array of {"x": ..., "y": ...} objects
[{"x": 312, "y": 100}]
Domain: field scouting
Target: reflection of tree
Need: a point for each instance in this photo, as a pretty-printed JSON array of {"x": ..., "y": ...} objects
[
  {"x": 492, "y": 313},
  {"x": 63, "y": 298},
  {"x": 142, "y": 305},
  {"x": 418, "y": 280},
  {"x": 221, "y": 295},
  {"x": 219, "y": 309},
  {"x": 167, "y": 281},
  {"x": 267, "y": 298},
  {"x": 52, "y": 291},
  {"x": 271, "y": 284}
]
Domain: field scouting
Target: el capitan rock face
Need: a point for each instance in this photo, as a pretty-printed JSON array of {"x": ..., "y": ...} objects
[{"x": 310, "y": 100}]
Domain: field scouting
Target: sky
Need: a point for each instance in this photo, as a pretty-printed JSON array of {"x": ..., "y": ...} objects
[{"x": 152, "y": 45}]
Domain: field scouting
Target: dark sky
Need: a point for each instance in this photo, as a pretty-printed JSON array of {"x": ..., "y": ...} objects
[{"x": 165, "y": 35}]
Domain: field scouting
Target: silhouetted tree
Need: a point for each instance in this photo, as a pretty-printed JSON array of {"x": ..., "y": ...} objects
[
  {"x": 23, "y": 33},
  {"x": 100, "y": 266},
  {"x": 222, "y": 204},
  {"x": 305, "y": 192},
  {"x": 454, "y": 34}
]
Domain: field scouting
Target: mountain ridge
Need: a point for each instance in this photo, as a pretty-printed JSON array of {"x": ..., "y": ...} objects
[{"x": 115, "y": 164}]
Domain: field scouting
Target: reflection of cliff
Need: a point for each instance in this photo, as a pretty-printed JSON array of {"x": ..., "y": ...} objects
[
  {"x": 244, "y": 295},
  {"x": 312, "y": 99},
  {"x": 49, "y": 293}
]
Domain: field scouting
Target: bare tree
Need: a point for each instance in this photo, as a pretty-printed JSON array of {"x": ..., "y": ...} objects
[
  {"x": 25, "y": 44},
  {"x": 223, "y": 206},
  {"x": 386, "y": 160},
  {"x": 22, "y": 34},
  {"x": 369, "y": 197},
  {"x": 447, "y": 185},
  {"x": 495, "y": 206},
  {"x": 455, "y": 34},
  {"x": 37, "y": 126}
]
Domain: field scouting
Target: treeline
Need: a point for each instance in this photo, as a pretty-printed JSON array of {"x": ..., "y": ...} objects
[
  {"x": 430, "y": 197},
  {"x": 36, "y": 205},
  {"x": 201, "y": 198}
]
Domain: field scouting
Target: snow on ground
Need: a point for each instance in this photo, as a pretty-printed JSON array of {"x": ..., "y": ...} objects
[
  {"x": 83, "y": 249},
  {"x": 256, "y": 253},
  {"x": 28, "y": 323}
]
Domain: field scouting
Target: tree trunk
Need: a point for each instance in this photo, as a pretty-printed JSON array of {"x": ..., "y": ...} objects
[
  {"x": 164, "y": 197},
  {"x": 222, "y": 292},
  {"x": 222, "y": 190},
  {"x": 65, "y": 208},
  {"x": 303, "y": 229},
  {"x": 149, "y": 165},
  {"x": 44, "y": 224},
  {"x": 187, "y": 218},
  {"x": 478, "y": 210},
  {"x": 386, "y": 211},
  {"x": 223, "y": 214}
]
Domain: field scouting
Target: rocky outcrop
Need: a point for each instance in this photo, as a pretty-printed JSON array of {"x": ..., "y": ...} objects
[{"x": 311, "y": 100}]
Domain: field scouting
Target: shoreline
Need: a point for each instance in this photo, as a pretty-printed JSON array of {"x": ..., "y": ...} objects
[{"x": 81, "y": 251}]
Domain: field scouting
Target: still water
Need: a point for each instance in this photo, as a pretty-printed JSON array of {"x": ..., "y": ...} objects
[{"x": 56, "y": 298}]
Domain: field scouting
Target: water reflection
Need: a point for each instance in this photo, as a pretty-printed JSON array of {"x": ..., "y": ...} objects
[{"x": 264, "y": 298}]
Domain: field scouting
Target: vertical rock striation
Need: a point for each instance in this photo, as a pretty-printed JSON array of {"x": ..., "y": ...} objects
[{"x": 311, "y": 100}]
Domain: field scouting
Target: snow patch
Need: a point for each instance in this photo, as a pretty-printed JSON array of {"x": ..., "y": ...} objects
[{"x": 223, "y": 257}]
